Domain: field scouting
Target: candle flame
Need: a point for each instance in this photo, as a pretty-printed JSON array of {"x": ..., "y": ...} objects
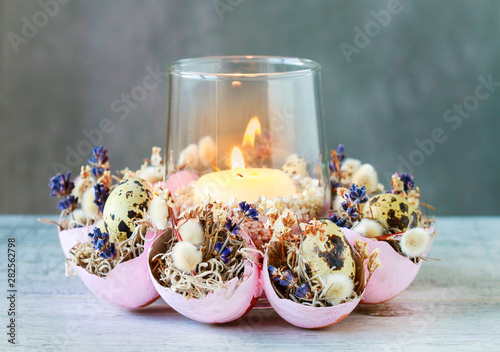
[
  {"x": 237, "y": 161},
  {"x": 253, "y": 129}
]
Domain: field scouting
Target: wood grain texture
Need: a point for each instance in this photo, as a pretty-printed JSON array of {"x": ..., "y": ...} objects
[{"x": 453, "y": 304}]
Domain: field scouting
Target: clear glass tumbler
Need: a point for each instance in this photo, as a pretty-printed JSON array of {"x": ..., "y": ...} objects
[{"x": 251, "y": 128}]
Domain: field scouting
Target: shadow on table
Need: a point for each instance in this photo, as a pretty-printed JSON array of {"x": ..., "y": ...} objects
[
  {"x": 388, "y": 309},
  {"x": 158, "y": 308}
]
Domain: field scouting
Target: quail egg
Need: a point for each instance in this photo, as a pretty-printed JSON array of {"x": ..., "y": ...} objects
[
  {"x": 128, "y": 202},
  {"x": 392, "y": 211},
  {"x": 329, "y": 254}
]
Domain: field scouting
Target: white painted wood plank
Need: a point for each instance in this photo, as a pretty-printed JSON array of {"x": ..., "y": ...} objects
[{"x": 454, "y": 304}]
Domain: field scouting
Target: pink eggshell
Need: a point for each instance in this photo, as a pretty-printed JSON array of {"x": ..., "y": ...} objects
[
  {"x": 180, "y": 179},
  {"x": 257, "y": 258},
  {"x": 128, "y": 285},
  {"x": 69, "y": 238},
  {"x": 305, "y": 316},
  {"x": 393, "y": 278},
  {"x": 222, "y": 306}
]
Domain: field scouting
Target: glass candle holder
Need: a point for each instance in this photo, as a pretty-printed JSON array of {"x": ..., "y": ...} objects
[{"x": 251, "y": 129}]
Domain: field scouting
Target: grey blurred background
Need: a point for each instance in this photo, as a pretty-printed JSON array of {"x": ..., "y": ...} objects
[{"x": 62, "y": 68}]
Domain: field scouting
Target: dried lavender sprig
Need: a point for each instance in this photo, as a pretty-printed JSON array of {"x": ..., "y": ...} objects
[{"x": 61, "y": 185}]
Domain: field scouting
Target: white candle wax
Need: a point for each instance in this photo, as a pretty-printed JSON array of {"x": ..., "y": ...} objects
[{"x": 243, "y": 184}]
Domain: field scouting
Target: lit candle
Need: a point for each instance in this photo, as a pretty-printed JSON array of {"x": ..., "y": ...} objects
[{"x": 244, "y": 184}]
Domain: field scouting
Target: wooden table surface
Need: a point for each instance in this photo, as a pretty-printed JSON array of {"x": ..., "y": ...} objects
[{"x": 453, "y": 304}]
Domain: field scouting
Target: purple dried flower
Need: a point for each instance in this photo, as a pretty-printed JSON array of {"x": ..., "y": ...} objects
[
  {"x": 101, "y": 194},
  {"x": 101, "y": 243},
  {"x": 337, "y": 220},
  {"x": 96, "y": 235},
  {"x": 283, "y": 278},
  {"x": 344, "y": 206},
  {"x": 248, "y": 210},
  {"x": 109, "y": 251},
  {"x": 286, "y": 278},
  {"x": 304, "y": 291},
  {"x": 352, "y": 212},
  {"x": 340, "y": 152},
  {"x": 69, "y": 203},
  {"x": 331, "y": 166},
  {"x": 357, "y": 194},
  {"x": 407, "y": 181},
  {"x": 273, "y": 272},
  {"x": 97, "y": 171},
  {"x": 233, "y": 228},
  {"x": 61, "y": 185},
  {"x": 99, "y": 156},
  {"x": 224, "y": 253}
]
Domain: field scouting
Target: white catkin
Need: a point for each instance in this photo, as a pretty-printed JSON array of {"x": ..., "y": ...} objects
[
  {"x": 81, "y": 185},
  {"x": 189, "y": 156},
  {"x": 369, "y": 228},
  {"x": 350, "y": 165},
  {"x": 192, "y": 232},
  {"x": 152, "y": 174},
  {"x": 207, "y": 150},
  {"x": 186, "y": 256},
  {"x": 338, "y": 287},
  {"x": 414, "y": 242},
  {"x": 158, "y": 213},
  {"x": 366, "y": 176},
  {"x": 89, "y": 207}
]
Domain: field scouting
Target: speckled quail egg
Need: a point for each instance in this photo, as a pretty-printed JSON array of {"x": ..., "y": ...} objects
[
  {"x": 391, "y": 210},
  {"x": 128, "y": 202},
  {"x": 333, "y": 252},
  {"x": 295, "y": 165}
]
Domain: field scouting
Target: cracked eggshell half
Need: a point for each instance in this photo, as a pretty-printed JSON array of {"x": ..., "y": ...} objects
[
  {"x": 128, "y": 285},
  {"x": 222, "y": 306},
  {"x": 71, "y": 237},
  {"x": 305, "y": 316},
  {"x": 396, "y": 274},
  {"x": 323, "y": 255}
]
